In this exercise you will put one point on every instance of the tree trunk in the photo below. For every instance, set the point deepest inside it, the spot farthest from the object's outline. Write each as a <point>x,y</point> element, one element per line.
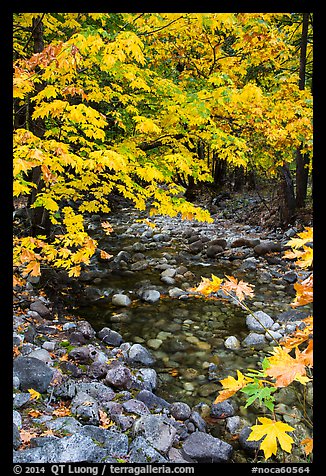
<point>40,220</point>
<point>301,159</point>
<point>286,196</point>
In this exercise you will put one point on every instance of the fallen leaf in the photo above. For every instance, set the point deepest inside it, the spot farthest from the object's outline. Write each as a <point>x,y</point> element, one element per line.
<point>231,386</point>
<point>308,444</point>
<point>240,288</point>
<point>272,431</point>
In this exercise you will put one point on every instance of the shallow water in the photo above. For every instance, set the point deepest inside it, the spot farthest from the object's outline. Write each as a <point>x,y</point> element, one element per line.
<point>185,336</point>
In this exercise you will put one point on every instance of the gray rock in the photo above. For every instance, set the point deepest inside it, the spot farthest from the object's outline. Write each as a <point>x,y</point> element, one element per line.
<point>196,247</point>
<point>100,392</point>
<point>66,424</point>
<point>40,308</point>
<point>32,373</point>
<point>110,337</point>
<point>262,322</point>
<point>169,272</point>
<point>176,292</point>
<point>249,446</point>
<point>136,406</point>
<point>86,329</point>
<point>20,399</point>
<point>122,421</point>
<point>119,377</point>
<point>141,451</point>
<point>80,354</point>
<point>150,296</point>
<point>147,378</point>
<point>69,449</point>
<point>180,410</point>
<point>152,401</point>
<point>232,343</point>
<point>198,421</point>
<point>121,300</point>
<point>113,440</point>
<point>273,336</point>
<point>16,439</point>
<point>17,419</point>
<point>15,382</point>
<point>85,408</point>
<point>233,424</point>
<point>168,280</point>
<point>292,315</point>
<point>249,264</point>
<point>255,340</point>
<point>140,355</point>
<point>204,448</point>
<point>49,346</point>
<point>222,409</point>
<point>290,277</point>
<point>175,456</point>
<point>218,241</point>
<point>214,250</point>
<point>267,247</point>
<point>157,430</point>
<point>42,355</point>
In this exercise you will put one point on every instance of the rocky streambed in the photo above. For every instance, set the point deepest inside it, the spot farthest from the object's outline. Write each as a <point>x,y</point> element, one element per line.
<point>129,367</point>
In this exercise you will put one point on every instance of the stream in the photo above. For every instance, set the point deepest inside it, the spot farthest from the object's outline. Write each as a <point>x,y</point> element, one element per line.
<point>186,335</point>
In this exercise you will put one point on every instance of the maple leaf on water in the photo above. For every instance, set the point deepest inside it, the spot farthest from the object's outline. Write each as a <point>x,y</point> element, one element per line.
<point>208,286</point>
<point>240,288</point>
<point>105,255</point>
<point>106,227</point>
<point>284,368</point>
<point>271,431</point>
<point>231,386</point>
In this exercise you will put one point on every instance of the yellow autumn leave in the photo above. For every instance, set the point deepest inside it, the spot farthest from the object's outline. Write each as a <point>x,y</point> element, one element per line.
<point>272,431</point>
<point>304,292</point>
<point>34,394</point>
<point>208,286</point>
<point>105,255</point>
<point>231,386</point>
<point>304,237</point>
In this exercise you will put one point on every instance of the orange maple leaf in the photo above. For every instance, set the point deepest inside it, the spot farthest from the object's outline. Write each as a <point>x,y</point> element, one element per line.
<point>284,368</point>
<point>240,288</point>
<point>308,444</point>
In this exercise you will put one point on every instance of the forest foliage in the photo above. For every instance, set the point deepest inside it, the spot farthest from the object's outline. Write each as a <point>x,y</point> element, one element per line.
<point>140,104</point>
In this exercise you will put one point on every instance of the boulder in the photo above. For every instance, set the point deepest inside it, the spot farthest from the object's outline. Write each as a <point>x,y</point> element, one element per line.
<point>40,308</point>
<point>140,355</point>
<point>69,449</point>
<point>232,343</point>
<point>180,410</point>
<point>205,448</point>
<point>259,321</point>
<point>32,373</point>
<point>121,300</point>
<point>142,451</point>
<point>250,446</point>
<point>222,410</point>
<point>255,340</point>
<point>119,377</point>
<point>150,296</point>
<point>157,430</point>
<point>110,337</point>
<point>85,408</point>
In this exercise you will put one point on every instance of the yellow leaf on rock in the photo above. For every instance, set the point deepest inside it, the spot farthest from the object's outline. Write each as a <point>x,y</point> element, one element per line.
<point>272,431</point>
